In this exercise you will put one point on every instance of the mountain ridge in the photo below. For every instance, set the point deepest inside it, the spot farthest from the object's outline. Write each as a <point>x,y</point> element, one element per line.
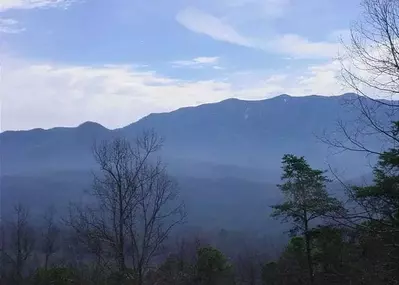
<point>225,156</point>
<point>92,123</point>
<point>249,134</point>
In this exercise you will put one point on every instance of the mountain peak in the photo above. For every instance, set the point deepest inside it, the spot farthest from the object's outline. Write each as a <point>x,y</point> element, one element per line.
<point>91,125</point>
<point>282,96</point>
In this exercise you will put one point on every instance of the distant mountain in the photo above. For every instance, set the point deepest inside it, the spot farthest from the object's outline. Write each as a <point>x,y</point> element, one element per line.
<point>55,149</point>
<point>235,133</point>
<point>247,133</point>
<point>226,156</point>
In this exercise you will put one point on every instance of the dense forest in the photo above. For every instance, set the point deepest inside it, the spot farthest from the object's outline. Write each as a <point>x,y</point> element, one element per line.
<point>129,228</point>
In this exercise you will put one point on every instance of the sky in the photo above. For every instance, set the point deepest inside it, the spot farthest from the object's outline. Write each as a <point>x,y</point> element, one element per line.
<point>64,62</point>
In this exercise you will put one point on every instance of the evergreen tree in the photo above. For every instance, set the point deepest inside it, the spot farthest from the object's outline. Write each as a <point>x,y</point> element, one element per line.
<point>305,199</point>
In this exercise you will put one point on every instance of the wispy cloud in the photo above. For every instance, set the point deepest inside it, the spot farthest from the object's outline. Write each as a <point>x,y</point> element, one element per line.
<point>207,24</point>
<point>56,94</point>
<point>223,29</point>
<point>198,62</point>
<point>32,4</point>
<point>10,26</point>
<point>300,47</point>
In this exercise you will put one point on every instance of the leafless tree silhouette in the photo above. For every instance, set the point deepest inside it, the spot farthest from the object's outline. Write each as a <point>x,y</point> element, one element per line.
<point>370,67</point>
<point>50,236</point>
<point>135,205</point>
<point>18,241</point>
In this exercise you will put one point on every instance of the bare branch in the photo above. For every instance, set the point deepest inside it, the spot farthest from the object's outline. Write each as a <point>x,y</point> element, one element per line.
<point>135,205</point>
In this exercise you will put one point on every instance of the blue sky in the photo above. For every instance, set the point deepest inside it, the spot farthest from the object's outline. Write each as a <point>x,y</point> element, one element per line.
<point>66,62</point>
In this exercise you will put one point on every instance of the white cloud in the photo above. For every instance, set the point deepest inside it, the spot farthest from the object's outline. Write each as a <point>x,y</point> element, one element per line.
<point>292,45</point>
<point>116,95</point>
<point>299,47</point>
<point>206,59</point>
<point>32,4</point>
<point>217,67</point>
<point>10,26</point>
<point>323,78</point>
<point>204,23</point>
<point>197,62</point>
<point>372,74</point>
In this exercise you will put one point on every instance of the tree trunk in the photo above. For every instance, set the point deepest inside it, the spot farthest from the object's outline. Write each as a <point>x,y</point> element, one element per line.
<point>121,257</point>
<point>308,252</point>
<point>46,262</point>
<point>140,278</point>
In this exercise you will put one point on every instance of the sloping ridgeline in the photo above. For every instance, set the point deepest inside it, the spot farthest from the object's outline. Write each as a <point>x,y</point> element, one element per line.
<point>226,155</point>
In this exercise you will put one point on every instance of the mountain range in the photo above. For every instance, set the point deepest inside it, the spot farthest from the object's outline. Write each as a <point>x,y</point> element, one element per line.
<point>248,134</point>
<point>225,155</point>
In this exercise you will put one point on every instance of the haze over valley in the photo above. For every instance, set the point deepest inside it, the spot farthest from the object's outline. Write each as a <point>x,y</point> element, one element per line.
<point>226,156</point>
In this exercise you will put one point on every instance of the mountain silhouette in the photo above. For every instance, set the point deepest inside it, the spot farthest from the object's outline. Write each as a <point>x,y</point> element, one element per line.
<point>226,156</point>
<point>248,134</point>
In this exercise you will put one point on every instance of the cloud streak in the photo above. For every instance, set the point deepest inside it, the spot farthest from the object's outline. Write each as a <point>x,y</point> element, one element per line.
<point>198,62</point>
<point>32,4</point>
<point>116,95</point>
<point>292,45</point>
<point>10,26</point>
<point>207,24</point>
<point>299,47</point>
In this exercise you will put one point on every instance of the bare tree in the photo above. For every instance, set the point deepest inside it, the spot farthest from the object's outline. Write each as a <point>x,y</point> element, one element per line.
<point>2,252</point>
<point>248,265</point>
<point>370,67</point>
<point>50,235</point>
<point>178,265</point>
<point>372,56</point>
<point>18,243</point>
<point>135,204</point>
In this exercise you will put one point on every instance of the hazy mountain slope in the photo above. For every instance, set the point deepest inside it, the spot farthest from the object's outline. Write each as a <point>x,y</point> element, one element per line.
<point>210,202</point>
<point>41,150</point>
<point>255,133</point>
<point>250,134</point>
<point>226,156</point>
